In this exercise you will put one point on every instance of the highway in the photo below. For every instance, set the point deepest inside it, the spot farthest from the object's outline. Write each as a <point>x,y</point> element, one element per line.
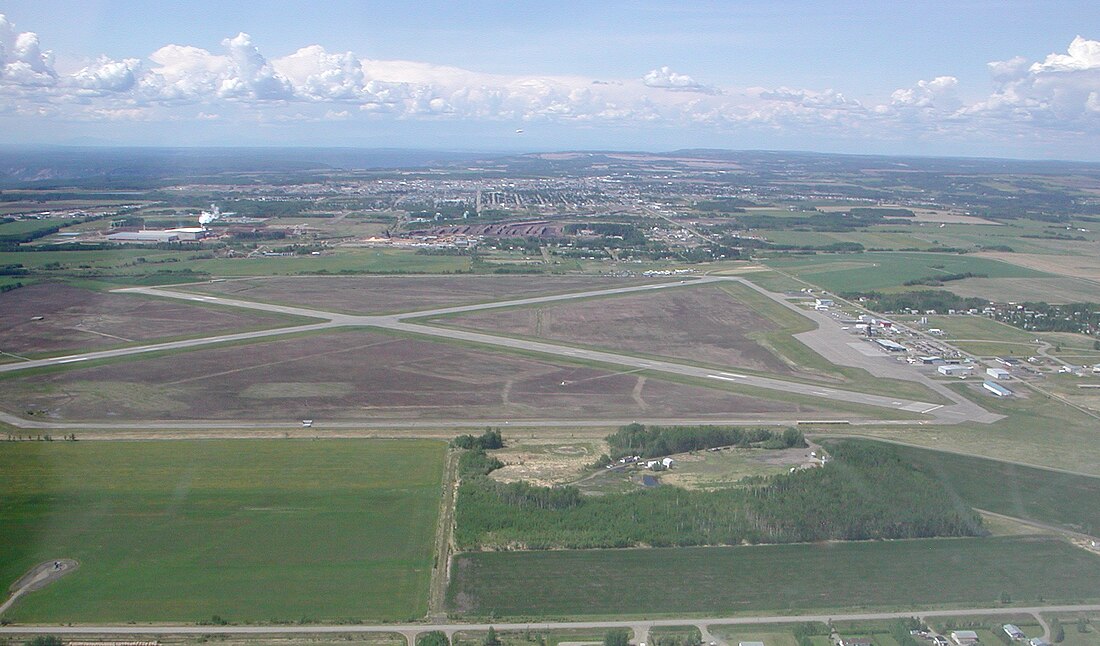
<point>824,340</point>
<point>641,627</point>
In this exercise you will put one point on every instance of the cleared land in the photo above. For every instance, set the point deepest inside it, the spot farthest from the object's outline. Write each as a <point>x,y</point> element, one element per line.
<point>250,531</point>
<point>367,375</point>
<point>78,319</point>
<point>871,271</point>
<point>789,578</point>
<point>704,324</point>
<point>383,294</point>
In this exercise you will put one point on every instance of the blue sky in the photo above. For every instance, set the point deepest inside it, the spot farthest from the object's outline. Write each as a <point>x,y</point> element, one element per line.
<point>874,77</point>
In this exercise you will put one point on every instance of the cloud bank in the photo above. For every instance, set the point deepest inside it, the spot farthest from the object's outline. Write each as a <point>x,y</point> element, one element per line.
<point>1059,94</point>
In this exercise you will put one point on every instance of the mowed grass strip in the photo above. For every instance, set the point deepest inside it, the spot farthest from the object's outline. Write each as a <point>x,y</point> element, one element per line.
<point>772,578</point>
<point>256,530</point>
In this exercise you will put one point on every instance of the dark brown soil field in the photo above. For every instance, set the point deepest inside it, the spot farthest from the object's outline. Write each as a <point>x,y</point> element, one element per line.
<point>392,294</point>
<point>703,324</point>
<point>363,375</point>
<point>81,319</point>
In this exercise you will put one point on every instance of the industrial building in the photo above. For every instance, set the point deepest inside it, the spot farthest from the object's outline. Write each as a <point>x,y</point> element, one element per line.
<point>955,370</point>
<point>998,373</point>
<point>890,346</point>
<point>183,234</point>
<point>996,388</point>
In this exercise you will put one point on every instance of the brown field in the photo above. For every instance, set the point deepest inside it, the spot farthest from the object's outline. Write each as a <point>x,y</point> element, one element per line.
<point>365,375</point>
<point>390,294</point>
<point>81,319</point>
<point>1047,290</point>
<point>703,324</point>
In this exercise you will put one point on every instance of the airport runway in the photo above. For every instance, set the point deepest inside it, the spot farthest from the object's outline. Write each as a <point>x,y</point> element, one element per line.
<point>825,341</point>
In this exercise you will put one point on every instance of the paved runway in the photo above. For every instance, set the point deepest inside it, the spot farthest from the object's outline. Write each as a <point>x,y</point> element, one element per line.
<point>828,340</point>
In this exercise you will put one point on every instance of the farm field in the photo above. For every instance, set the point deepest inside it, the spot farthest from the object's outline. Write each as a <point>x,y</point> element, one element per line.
<point>1060,289</point>
<point>843,273</point>
<point>704,325</point>
<point>247,530</point>
<point>1052,497</point>
<point>779,578</point>
<point>369,375</point>
<point>1078,260</point>
<point>389,294</point>
<point>75,318</point>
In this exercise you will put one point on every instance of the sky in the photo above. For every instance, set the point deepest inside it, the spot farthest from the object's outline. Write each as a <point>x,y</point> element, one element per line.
<point>999,78</point>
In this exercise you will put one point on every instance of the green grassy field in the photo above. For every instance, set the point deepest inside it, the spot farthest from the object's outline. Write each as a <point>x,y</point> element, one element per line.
<point>248,530</point>
<point>873,271</point>
<point>1041,495</point>
<point>774,578</point>
<point>1037,430</point>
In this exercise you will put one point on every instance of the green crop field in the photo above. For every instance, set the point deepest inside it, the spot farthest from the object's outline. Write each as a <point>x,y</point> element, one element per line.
<point>872,271</point>
<point>1041,495</point>
<point>275,530</point>
<point>773,578</point>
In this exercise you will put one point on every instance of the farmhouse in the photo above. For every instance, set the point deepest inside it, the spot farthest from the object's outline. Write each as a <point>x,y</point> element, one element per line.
<point>996,388</point>
<point>964,637</point>
<point>1038,641</point>
<point>1014,632</point>
<point>955,370</point>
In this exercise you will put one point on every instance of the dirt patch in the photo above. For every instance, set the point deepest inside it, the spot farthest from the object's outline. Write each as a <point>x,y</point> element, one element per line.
<point>53,317</point>
<point>390,378</point>
<point>546,463</point>
<point>37,578</point>
<point>703,324</point>
<point>389,294</point>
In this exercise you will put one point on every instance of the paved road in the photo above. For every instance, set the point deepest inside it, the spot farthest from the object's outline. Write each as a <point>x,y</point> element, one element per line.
<point>644,624</point>
<point>961,410</point>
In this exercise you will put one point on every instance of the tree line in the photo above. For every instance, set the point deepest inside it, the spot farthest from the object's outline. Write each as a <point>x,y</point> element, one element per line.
<point>866,492</point>
<point>657,441</point>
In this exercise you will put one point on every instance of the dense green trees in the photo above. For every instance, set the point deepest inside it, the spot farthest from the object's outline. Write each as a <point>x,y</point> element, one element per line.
<point>433,638</point>
<point>866,492</point>
<point>617,637</point>
<point>487,441</point>
<point>656,441</point>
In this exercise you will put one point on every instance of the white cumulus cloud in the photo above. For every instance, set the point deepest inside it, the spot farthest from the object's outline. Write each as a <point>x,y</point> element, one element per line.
<point>664,77</point>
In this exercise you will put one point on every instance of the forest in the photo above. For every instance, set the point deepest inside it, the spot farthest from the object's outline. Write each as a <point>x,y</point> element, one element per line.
<point>866,492</point>
<point>655,441</point>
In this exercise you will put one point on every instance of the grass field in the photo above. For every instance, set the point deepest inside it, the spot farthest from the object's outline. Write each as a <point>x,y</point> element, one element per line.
<point>388,294</point>
<point>124,261</point>
<point>357,374</point>
<point>702,324</point>
<point>70,318</point>
<point>1036,431</point>
<point>248,530</point>
<point>777,578</point>
<point>1006,488</point>
<point>872,271</point>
